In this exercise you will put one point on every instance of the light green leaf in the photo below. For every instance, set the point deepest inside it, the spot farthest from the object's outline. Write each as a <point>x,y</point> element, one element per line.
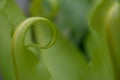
<point>101,63</point>
<point>7,23</point>
<point>27,64</point>
<point>44,8</point>
<point>112,28</point>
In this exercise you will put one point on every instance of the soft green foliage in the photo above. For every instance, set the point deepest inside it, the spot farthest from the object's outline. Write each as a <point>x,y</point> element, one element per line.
<point>44,8</point>
<point>44,54</point>
<point>25,62</point>
<point>9,18</point>
<point>103,59</point>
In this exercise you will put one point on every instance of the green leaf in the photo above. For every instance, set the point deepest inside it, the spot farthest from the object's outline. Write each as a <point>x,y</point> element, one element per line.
<point>113,27</point>
<point>9,17</point>
<point>28,65</point>
<point>102,64</point>
<point>2,4</point>
<point>44,8</point>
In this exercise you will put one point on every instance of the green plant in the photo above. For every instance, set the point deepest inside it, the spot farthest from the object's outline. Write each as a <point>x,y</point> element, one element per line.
<point>23,58</point>
<point>9,18</point>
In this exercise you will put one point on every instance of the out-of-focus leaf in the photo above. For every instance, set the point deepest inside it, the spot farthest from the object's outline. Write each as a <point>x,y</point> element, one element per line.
<point>102,65</point>
<point>9,17</point>
<point>44,8</point>
<point>97,23</point>
<point>113,31</point>
<point>2,4</point>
